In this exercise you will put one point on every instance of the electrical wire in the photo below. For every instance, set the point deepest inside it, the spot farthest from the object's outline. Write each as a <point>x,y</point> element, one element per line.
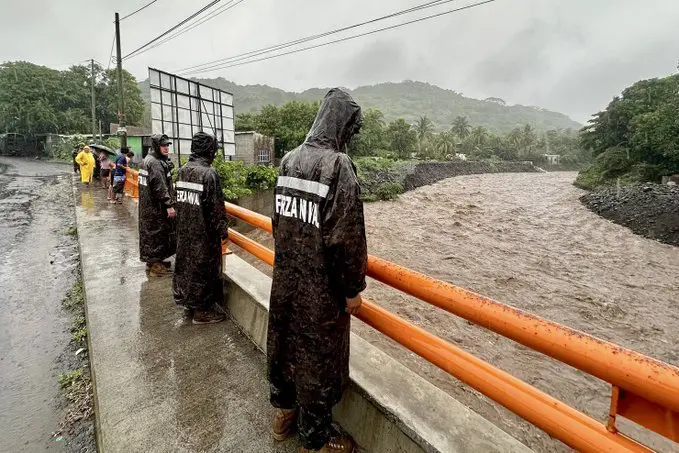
<point>113,43</point>
<point>212,15</point>
<point>264,50</point>
<point>231,65</point>
<point>170,30</point>
<point>140,9</point>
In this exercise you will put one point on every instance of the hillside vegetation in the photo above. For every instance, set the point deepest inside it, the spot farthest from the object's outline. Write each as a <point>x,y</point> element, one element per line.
<point>636,139</point>
<point>408,100</point>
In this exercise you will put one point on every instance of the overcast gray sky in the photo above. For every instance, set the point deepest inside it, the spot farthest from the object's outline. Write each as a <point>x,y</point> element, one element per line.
<point>572,56</point>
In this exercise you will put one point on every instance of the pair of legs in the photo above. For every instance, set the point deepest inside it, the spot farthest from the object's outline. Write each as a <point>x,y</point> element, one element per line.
<point>158,268</point>
<point>198,294</point>
<point>312,420</point>
<point>105,179</point>
<point>118,192</point>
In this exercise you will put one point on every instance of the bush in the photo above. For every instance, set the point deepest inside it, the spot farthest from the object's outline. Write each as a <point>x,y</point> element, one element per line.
<point>261,178</point>
<point>388,191</point>
<point>239,180</point>
<point>64,148</point>
<point>608,166</point>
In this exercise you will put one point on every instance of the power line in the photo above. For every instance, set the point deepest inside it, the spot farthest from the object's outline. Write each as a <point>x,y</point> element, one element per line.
<point>312,37</point>
<point>113,43</point>
<point>140,9</point>
<point>212,15</point>
<point>391,27</point>
<point>170,30</point>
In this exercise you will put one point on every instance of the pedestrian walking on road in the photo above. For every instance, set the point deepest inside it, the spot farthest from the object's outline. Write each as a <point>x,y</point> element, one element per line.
<point>318,277</point>
<point>157,236</point>
<point>104,170</point>
<point>120,174</point>
<point>76,167</point>
<point>202,226</point>
<point>86,161</point>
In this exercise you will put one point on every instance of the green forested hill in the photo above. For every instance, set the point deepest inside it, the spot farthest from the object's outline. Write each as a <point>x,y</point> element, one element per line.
<point>408,100</point>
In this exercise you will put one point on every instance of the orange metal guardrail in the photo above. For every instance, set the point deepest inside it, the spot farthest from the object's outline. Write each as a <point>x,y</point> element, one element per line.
<point>645,390</point>
<point>132,183</point>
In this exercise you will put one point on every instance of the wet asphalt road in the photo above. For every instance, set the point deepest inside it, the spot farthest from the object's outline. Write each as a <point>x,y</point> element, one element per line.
<point>38,266</point>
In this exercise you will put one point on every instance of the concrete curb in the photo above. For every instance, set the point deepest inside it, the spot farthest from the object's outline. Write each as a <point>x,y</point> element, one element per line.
<point>93,377</point>
<point>387,408</point>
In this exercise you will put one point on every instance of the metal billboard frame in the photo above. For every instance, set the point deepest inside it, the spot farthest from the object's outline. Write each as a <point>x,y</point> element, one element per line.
<point>181,107</point>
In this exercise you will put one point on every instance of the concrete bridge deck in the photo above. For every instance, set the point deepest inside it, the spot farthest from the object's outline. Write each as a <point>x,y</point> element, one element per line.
<point>161,383</point>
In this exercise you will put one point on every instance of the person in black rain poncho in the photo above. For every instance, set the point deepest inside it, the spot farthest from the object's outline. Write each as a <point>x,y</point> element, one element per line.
<point>157,238</point>
<point>202,225</point>
<point>319,273</point>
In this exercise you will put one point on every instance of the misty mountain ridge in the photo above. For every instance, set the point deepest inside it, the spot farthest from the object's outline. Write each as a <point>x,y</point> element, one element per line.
<point>408,100</point>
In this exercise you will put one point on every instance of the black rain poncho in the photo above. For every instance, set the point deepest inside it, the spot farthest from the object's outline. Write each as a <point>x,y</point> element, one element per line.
<point>157,239</point>
<point>321,260</point>
<point>202,224</point>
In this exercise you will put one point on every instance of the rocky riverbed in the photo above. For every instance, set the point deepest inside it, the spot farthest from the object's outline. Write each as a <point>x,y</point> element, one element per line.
<point>650,210</point>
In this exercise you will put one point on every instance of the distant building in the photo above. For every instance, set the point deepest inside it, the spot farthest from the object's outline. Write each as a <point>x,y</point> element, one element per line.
<point>254,148</point>
<point>138,140</point>
<point>552,159</point>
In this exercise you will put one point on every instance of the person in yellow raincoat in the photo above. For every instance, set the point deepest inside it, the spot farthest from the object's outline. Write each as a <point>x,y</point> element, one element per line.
<point>86,161</point>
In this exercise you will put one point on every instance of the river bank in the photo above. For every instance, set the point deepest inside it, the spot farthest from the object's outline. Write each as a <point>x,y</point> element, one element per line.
<point>383,179</point>
<point>649,210</point>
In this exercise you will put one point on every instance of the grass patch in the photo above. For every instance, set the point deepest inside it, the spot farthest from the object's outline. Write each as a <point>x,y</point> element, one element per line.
<point>73,231</point>
<point>78,323</point>
<point>80,335</point>
<point>75,298</point>
<point>68,380</point>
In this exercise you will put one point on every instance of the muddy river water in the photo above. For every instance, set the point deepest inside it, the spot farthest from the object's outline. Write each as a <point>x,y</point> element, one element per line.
<point>525,240</point>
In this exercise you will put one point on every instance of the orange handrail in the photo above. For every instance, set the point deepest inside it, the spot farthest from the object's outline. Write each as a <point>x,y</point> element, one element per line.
<point>627,369</point>
<point>132,183</point>
<point>565,423</point>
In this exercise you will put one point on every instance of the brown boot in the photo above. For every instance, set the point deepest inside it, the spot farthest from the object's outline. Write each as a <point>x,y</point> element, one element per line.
<point>344,444</point>
<point>207,317</point>
<point>284,423</point>
<point>157,270</point>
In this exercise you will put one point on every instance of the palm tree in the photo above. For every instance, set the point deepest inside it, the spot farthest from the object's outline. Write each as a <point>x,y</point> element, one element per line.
<point>445,143</point>
<point>479,136</point>
<point>423,129</point>
<point>461,127</point>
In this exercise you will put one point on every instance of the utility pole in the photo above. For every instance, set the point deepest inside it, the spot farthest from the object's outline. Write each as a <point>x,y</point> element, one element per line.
<point>94,113</point>
<point>121,100</point>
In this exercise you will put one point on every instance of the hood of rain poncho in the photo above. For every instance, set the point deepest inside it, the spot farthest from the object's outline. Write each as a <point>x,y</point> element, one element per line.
<point>338,119</point>
<point>203,146</point>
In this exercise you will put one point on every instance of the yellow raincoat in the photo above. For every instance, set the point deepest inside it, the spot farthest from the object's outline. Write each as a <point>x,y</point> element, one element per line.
<point>87,164</point>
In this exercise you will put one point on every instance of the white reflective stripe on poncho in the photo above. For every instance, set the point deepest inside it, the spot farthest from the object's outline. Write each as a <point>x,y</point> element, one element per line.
<point>189,185</point>
<point>303,185</point>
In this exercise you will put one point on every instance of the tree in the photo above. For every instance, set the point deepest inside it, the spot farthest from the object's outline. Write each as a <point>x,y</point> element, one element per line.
<point>494,100</point>
<point>35,99</point>
<point>287,124</point>
<point>529,139</point>
<point>640,125</point>
<point>245,122</point>
<point>372,136</point>
<point>444,143</point>
<point>402,138</point>
<point>461,127</point>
